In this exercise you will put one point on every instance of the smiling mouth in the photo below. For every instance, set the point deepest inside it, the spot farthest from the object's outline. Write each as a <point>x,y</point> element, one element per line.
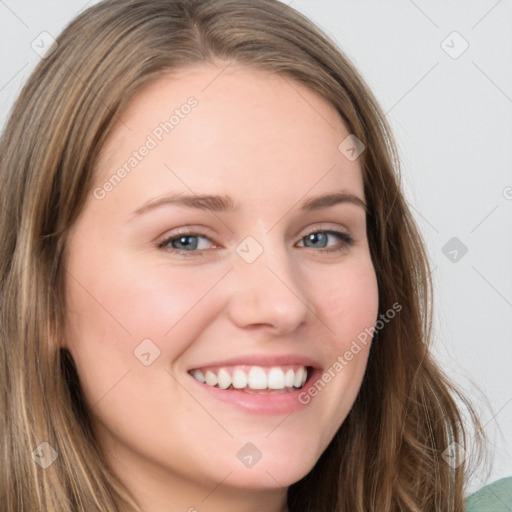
<point>254,379</point>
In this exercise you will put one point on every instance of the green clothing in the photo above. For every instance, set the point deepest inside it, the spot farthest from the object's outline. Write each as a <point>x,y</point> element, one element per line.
<point>495,497</point>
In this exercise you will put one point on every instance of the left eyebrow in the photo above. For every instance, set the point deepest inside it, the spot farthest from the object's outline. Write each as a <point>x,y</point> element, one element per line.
<point>225,203</point>
<point>325,201</point>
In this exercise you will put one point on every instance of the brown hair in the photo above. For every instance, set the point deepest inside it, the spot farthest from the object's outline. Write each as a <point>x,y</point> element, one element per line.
<point>387,455</point>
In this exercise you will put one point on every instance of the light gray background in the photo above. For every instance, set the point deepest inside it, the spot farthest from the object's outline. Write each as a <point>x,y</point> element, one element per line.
<point>452,118</point>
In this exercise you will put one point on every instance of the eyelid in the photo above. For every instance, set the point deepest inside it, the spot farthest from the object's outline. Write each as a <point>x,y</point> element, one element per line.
<point>326,228</point>
<point>183,233</point>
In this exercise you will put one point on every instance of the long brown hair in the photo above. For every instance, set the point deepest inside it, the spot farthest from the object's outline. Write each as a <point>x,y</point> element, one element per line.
<point>389,454</point>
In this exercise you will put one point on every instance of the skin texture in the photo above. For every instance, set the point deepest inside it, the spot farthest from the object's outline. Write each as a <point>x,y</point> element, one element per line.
<point>270,144</point>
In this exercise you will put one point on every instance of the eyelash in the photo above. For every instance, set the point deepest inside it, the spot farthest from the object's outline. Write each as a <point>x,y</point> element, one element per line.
<point>346,240</point>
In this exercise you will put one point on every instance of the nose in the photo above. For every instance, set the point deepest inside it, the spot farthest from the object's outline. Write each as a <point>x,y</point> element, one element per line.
<point>269,291</point>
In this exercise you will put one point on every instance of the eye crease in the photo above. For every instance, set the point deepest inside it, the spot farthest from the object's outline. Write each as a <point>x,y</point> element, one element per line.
<point>316,236</point>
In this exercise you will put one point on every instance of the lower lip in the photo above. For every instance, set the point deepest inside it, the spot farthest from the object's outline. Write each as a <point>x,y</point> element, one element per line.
<point>265,403</point>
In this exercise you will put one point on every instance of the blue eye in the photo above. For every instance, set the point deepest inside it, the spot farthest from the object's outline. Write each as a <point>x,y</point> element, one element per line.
<point>184,242</point>
<point>322,237</point>
<point>188,242</point>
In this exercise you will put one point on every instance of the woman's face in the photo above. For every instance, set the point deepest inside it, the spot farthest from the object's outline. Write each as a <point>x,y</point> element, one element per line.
<point>245,289</point>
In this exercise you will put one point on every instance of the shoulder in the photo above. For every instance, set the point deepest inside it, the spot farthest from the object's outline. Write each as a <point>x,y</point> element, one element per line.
<point>495,497</point>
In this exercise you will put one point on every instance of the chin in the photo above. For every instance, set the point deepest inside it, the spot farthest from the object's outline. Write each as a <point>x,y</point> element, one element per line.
<point>276,470</point>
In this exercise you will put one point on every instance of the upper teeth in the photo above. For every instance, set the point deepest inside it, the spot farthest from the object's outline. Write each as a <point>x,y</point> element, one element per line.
<point>253,377</point>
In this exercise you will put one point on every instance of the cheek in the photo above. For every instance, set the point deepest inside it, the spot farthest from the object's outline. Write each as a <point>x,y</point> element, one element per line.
<point>347,300</point>
<point>163,301</point>
<point>116,305</point>
<point>347,303</point>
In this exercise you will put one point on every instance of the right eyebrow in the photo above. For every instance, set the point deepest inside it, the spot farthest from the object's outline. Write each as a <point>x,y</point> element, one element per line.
<point>214,203</point>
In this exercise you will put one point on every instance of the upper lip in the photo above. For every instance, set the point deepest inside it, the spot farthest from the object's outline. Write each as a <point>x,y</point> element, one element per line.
<point>262,360</point>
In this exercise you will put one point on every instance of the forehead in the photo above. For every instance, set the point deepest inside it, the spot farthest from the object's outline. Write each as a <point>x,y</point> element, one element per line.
<point>213,127</point>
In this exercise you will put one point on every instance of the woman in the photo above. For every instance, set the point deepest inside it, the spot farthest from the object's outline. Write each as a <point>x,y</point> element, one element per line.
<point>214,295</point>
